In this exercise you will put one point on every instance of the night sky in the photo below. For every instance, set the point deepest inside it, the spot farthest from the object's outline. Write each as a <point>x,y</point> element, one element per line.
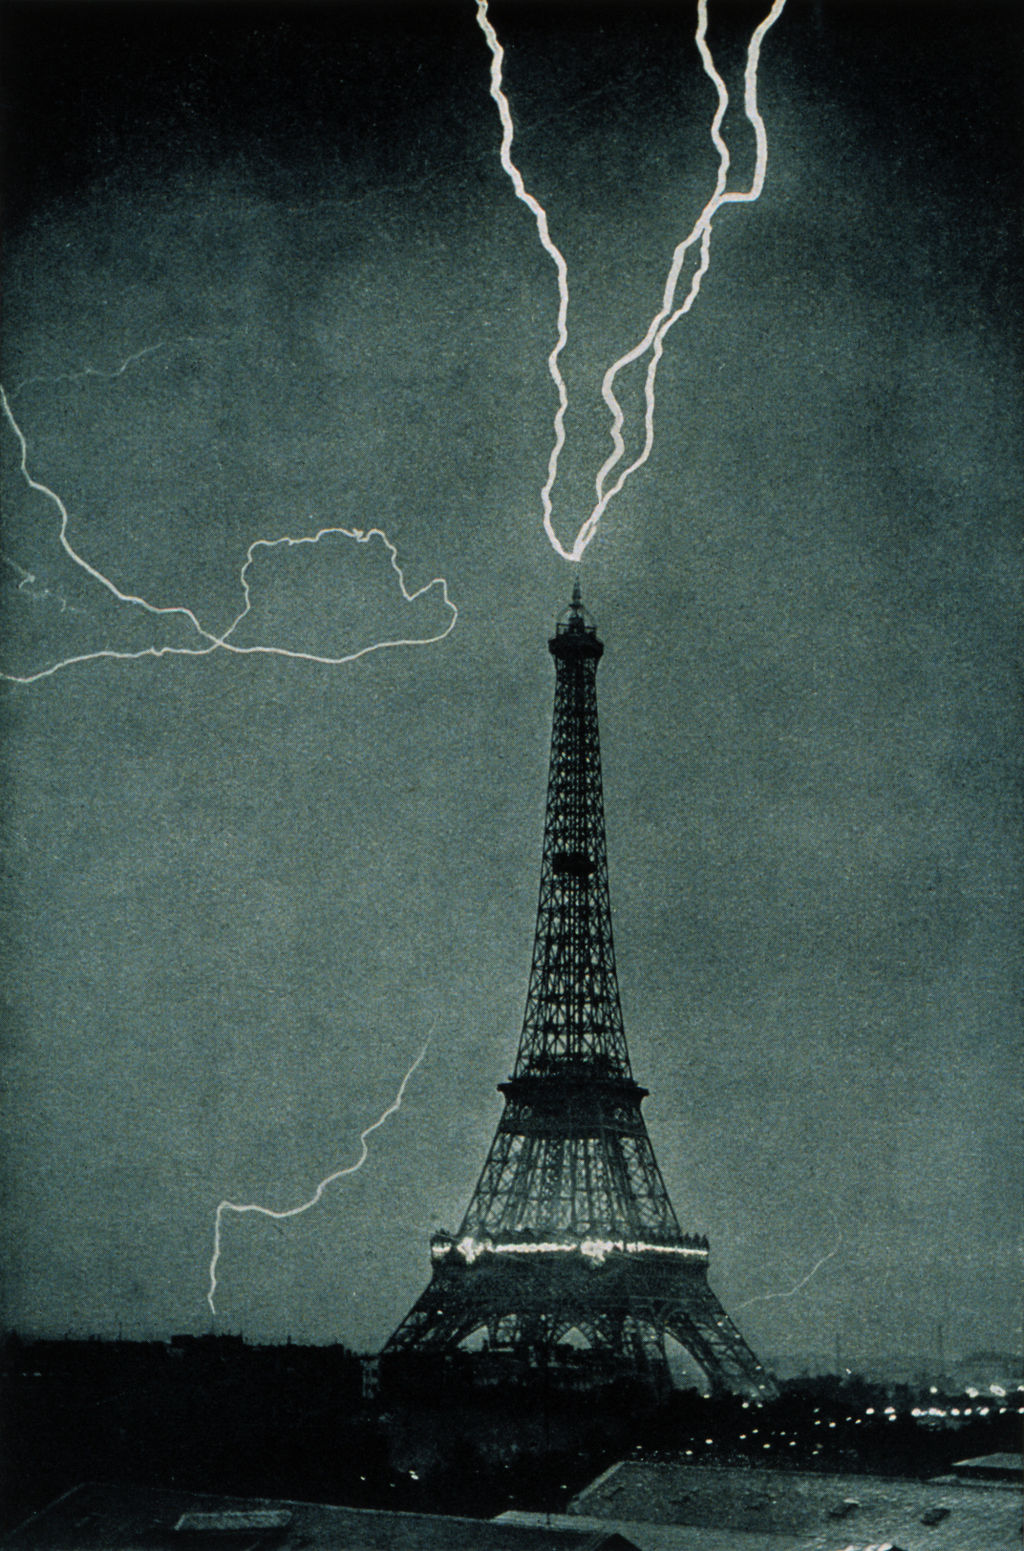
<point>242,891</point>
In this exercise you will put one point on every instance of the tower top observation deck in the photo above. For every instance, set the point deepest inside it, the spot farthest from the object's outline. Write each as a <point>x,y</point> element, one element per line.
<point>575,635</point>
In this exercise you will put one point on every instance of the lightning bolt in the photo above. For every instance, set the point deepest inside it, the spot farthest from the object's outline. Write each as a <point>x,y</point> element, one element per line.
<point>213,641</point>
<point>802,1283</point>
<point>557,258</point>
<point>296,1211</point>
<point>97,371</point>
<point>669,313</point>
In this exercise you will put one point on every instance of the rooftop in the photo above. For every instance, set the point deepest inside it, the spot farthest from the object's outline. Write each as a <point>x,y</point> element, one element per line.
<point>660,1537</point>
<point>791,1509</point>
<point>109,1518</point>
<point>1001,1467</point>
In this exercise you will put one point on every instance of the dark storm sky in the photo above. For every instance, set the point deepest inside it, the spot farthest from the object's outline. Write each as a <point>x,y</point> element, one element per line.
<point>242,891</point>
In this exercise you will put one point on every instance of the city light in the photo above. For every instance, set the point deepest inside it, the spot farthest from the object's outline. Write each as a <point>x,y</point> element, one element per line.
<point>594,1250</point>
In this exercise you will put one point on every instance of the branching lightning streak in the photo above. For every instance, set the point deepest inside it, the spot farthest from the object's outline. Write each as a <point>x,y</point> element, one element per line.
<point>97,371</point>
<point>27,585</point>
<point>669,314</point>
<point>296,1211</point>
<point>214,642</point>
<point>802,1283</point>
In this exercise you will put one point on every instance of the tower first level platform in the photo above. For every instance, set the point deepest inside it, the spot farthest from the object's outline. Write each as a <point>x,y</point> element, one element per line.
<point>538,1301</point>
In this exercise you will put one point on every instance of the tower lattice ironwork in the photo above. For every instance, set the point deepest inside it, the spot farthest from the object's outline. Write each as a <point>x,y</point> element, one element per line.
<point>570,1239</point>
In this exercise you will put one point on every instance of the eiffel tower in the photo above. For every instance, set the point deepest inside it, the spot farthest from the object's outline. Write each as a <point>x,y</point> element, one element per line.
<point>570,1244</point>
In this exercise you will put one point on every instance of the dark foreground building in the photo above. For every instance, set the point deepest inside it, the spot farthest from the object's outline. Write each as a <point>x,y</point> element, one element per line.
<point>570,1260</point>
<point>109,1518</point>
<point>632,1508</point>
<point>792,1510</point>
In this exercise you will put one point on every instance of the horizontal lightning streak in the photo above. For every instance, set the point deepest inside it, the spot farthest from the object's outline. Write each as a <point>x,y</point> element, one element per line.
<point>215,642</point>
<point>98,371</point>
<point>669,314</point>
<point>361,536</point>
<point>296,1211</point>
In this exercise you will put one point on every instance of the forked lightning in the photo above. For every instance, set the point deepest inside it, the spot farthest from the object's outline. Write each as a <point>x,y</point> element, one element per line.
<point>668,314</point>
<point>213,641</point>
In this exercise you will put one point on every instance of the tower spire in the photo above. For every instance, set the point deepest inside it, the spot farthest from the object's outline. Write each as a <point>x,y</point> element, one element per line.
<point>570,1187</point>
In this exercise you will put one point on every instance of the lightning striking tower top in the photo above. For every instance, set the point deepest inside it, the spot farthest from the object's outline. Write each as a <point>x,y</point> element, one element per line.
<point>652,345</point>
<point>570,1234</point>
